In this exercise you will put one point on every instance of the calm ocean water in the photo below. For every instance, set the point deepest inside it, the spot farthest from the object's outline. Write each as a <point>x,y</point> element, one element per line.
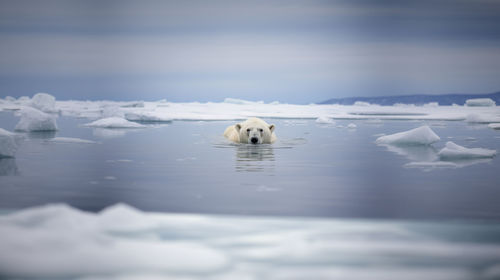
<point>313,170</point>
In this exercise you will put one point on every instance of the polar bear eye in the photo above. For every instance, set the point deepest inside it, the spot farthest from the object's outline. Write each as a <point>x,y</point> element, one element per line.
<point>248,129</point>
<point>261,130</point>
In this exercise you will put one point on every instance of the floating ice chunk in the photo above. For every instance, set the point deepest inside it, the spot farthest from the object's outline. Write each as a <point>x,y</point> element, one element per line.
<point>494,125</point>
<point>325,120</point>
<point>114,122</point>
<point>431,164</point>
<point>9,142</point>
<point>9,98</point>
<point>44,102</point>
<point>482,118</point>
<point>352,126</point>
<point>35,120</point>
<point>453,151</point>
<point>480,102</point>
<point>147,116</point>
<point>419,136</point>
<point>431,104</point>
<point>71,140</point>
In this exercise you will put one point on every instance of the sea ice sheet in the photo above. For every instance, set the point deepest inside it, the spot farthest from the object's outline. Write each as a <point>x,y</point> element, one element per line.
<point>9,142</point>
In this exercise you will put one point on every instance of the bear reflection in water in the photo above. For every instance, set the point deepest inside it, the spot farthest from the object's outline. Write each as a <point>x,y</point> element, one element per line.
<point>254,158</point>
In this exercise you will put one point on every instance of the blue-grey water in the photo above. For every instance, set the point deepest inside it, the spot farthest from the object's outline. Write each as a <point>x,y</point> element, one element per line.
<point>312,170</point>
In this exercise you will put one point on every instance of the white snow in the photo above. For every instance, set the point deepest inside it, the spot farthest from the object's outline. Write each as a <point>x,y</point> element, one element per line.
<point>482,102</point>
<point>419,136</point>
<point>9,143</point>
<point>71,140</point>
<point>325,120</point>
<point>59,242</point>
<point>35,120</point>
<point>453,151</point>
<point>241,101</point>
<point>44,102</point>
<point>361,103</point>
<point>114,122</point>
<point>147,116</point>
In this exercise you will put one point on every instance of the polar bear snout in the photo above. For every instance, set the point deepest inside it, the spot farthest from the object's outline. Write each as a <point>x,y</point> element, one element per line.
<point>254,140</point>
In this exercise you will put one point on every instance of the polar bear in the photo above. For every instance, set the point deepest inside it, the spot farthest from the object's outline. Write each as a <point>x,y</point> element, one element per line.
<point>251,131</point>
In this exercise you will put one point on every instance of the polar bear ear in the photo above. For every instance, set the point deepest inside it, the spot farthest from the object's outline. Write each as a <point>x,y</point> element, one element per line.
<point>238,127</point>
<point>271,127</point>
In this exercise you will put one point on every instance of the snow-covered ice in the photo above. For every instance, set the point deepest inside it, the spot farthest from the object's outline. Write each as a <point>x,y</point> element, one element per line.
<point>352,126</point>
<point>114,122</point>
<point>44,102</point>
<point>120,242</point>
<point>147,116</point>
<point>9,143</point>
<point>453,151</point>
<point>35,120</point>
<point>482,102</point>
<point>419,136</point>
<point>483,118</point>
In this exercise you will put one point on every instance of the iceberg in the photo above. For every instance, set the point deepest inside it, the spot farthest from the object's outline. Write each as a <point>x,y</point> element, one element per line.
<point>419,136</point>
<point>114,122</point>
<point>147,116</point>
<point>9,142</point>
<point>44,102</point>
<point>480,102</point>
<point>35,120</point>
<point>453,151</point>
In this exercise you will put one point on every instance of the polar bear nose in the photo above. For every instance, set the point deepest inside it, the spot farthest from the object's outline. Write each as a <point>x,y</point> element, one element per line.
<point>254,140</point>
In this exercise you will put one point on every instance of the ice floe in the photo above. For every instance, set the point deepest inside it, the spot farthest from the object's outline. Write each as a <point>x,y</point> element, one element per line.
<point>325,120</point>
<point>494,125</point>
<point>453,151</point>
<point>35,120</point>
<point>419,136</point>
<point>9,143</point>
<point>483,118</point>
<point>120,242</point>
<point>114,122</point>
<point>482,102</point>
<point>147,116</point>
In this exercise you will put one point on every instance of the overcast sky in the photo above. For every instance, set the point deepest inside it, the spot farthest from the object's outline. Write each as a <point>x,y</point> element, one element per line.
<point>290,51</point>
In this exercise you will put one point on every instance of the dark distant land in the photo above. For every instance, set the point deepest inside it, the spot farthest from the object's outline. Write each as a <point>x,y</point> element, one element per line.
<point>443,99</point>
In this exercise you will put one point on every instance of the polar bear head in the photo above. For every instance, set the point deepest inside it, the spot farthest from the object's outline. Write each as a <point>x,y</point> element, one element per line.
<point>255,131</point>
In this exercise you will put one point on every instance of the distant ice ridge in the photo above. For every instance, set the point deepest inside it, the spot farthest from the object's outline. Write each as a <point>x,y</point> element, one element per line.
<point>419,136</point>
<point>71,140</point>
<point>482,102</point>
<point>120,242</point>
<point>35,120</point>
<point>114,122</point>
<point>241,101</point>
<point>453,151</point>
<point>9,142</point>
<point>325,120</point>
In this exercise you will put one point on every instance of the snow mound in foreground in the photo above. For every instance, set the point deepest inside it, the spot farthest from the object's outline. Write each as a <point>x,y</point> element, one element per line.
<point>114,122</point>
<point>419,136</point>
<point>480,102</point>
<point>325,120</point>
<point>9,142</point>
<point>35,120</point>
<point>147,117</point>
<point>453,151</point>
<point>44,102</point>
<point>60,242</point>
